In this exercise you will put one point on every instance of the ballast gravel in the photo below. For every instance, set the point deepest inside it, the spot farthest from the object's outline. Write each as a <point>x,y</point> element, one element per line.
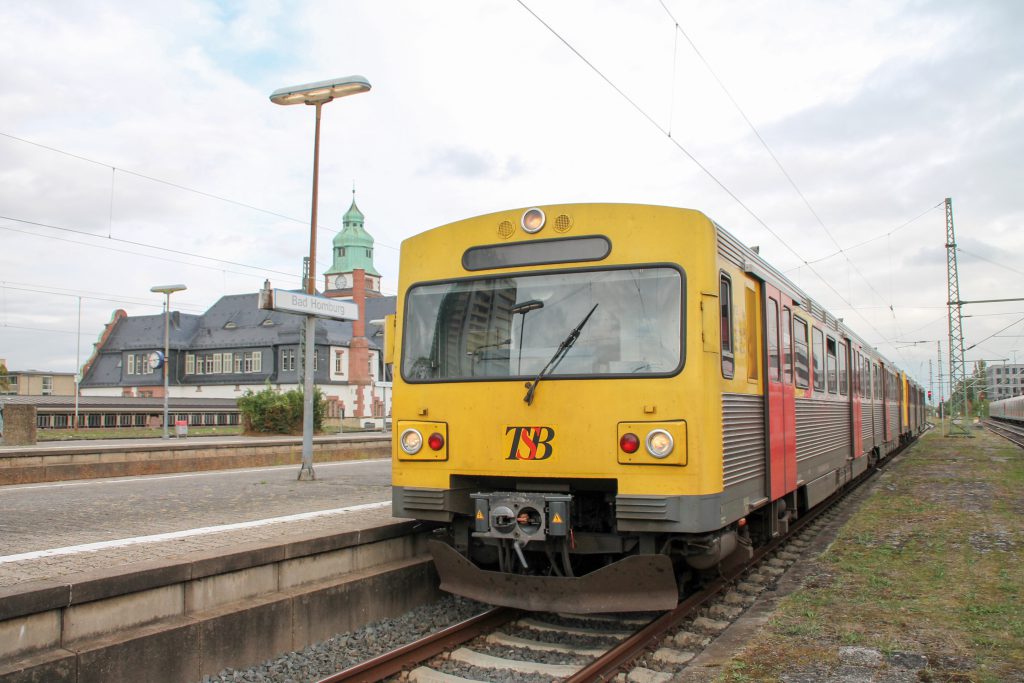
<point>347,649</point>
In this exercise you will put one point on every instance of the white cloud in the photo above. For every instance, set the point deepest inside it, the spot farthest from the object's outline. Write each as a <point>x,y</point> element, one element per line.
<point>878,110</point>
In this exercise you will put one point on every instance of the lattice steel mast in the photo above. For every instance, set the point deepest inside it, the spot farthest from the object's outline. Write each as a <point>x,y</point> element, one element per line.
<point>957,372</point>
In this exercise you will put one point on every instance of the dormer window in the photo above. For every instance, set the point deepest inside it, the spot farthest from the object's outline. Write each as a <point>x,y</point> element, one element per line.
<point>267,323</point>
<point>230,325</point>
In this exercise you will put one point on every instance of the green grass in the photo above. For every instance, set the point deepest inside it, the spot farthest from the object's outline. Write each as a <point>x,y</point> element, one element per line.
<point>129,433</point>
<point>932,563</point>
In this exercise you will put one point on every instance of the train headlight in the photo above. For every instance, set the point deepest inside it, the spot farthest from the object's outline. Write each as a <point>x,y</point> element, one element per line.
<point>629,443</point>
<point>659,443</point>
<point>533,220</point>
<point>411,441</point>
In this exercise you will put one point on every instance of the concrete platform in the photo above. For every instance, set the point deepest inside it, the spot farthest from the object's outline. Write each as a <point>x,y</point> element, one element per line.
<point>59,461</point>
<point>173,577</point>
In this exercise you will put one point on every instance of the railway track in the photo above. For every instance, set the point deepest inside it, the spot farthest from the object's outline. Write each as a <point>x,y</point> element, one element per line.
<point>1007,431</point>
<point>506,644</point>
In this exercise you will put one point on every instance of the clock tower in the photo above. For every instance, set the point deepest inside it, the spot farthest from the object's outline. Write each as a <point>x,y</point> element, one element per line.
<point>353,257</point>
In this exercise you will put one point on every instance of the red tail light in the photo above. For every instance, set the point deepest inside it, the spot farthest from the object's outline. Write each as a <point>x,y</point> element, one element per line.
<point>435,441</point>
<point>629,443</point>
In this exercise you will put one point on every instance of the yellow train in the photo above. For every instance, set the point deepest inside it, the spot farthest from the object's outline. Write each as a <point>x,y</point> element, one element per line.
<point>601,400</point>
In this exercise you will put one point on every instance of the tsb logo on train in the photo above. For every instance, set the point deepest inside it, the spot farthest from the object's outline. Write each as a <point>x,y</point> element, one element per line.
<point>529,443</point>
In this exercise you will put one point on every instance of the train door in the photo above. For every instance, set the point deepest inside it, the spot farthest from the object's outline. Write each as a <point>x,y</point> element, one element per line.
<point>855,398</point>
<point>781,399</point>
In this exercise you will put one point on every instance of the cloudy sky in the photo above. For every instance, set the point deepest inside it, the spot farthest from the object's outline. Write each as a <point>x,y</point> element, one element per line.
<point>138,145</point>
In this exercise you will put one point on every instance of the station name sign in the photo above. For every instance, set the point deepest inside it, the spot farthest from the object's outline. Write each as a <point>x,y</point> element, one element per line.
<point>308,304</point>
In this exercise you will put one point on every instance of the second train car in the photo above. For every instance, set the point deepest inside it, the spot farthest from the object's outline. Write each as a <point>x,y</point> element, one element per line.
<point>602,400</point>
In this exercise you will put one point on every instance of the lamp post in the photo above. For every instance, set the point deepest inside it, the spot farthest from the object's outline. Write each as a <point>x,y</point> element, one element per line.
<point>315,94</point>
<point>166,290</point>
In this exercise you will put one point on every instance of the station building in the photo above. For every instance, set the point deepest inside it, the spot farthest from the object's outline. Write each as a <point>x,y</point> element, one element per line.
<point>1004,381</point>
<point>35,382</point>
<point>235,346</point>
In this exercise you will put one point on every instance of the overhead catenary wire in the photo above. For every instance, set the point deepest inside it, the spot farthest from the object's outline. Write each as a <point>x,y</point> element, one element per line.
<point>137,253</point>
<point>168,183</point>
<point>41,289</point>
<point>704,169</point>
<point>781,167</point>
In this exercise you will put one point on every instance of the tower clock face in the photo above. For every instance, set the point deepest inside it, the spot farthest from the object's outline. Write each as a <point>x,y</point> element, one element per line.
<point>341,282</point>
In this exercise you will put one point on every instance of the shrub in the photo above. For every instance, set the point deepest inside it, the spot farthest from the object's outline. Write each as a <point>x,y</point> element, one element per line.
<point>279,412</point>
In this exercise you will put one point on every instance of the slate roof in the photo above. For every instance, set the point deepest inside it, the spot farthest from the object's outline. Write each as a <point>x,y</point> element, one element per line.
<point>234,322</point>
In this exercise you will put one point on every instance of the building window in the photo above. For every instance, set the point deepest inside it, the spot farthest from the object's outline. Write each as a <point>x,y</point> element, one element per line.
<point>226,362</point>
<point>208,359</point>
<point>190,363</point>
<point>47,385</point>
<point>725,316</point>
<point>216,363</point>
<point>238,362</point>
<point>339,362</point>
<point>131,363</point>
<point>247,362</point>
<point>287,360</point>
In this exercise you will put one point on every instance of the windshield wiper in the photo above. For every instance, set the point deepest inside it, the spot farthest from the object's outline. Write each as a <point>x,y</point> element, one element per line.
<point>563,349</point>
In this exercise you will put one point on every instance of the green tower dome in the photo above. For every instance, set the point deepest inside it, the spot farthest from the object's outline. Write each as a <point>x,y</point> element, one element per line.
<point>353,246</point>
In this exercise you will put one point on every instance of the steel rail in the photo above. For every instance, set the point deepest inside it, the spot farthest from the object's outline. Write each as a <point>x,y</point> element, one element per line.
<point>606,667</point>
<point>1010,432</point>
<point>394,662</point>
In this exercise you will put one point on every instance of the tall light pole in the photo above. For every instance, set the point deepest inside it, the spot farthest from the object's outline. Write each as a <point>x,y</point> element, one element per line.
<point>315,94</point>
<point>166,290</point>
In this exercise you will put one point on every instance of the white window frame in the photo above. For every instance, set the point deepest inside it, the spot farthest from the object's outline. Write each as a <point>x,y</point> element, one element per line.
<point>131,363</point>
<point>216,364</point>
<point>190,363</point>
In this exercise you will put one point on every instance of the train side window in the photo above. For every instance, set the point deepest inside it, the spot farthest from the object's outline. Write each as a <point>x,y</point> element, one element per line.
<point>830,362</point>
<point>725,302</point>
<point>753,352</point>
<point>818,359</point>
<point>773,339</point>
<point>843,379</point>
<point>800,342</point>
<point>787,345</point>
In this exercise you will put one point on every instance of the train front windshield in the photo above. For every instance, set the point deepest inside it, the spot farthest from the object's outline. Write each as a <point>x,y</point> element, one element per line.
<point>511,327</point>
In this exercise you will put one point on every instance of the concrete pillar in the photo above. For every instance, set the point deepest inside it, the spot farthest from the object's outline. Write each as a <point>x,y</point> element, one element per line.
<point>19,424</point>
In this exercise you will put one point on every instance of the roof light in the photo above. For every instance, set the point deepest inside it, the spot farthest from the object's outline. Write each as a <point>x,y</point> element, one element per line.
<point>533,220</point>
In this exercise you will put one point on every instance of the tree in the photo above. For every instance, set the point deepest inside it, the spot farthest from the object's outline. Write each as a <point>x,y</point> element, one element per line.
<point>279,412</point>
<point>5,378</point>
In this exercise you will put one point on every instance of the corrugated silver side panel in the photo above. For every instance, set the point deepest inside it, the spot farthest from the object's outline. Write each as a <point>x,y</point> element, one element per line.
<point>729,247</point>
<point>894,418</point>
<point>865,422</point>
<point>742,438</point>
<point>821,427</point>
<point>876,411</point>
<point>817,311</point>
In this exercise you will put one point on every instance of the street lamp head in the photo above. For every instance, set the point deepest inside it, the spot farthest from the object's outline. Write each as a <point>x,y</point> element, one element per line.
<point>320,92</point>
<point>167,289</point>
